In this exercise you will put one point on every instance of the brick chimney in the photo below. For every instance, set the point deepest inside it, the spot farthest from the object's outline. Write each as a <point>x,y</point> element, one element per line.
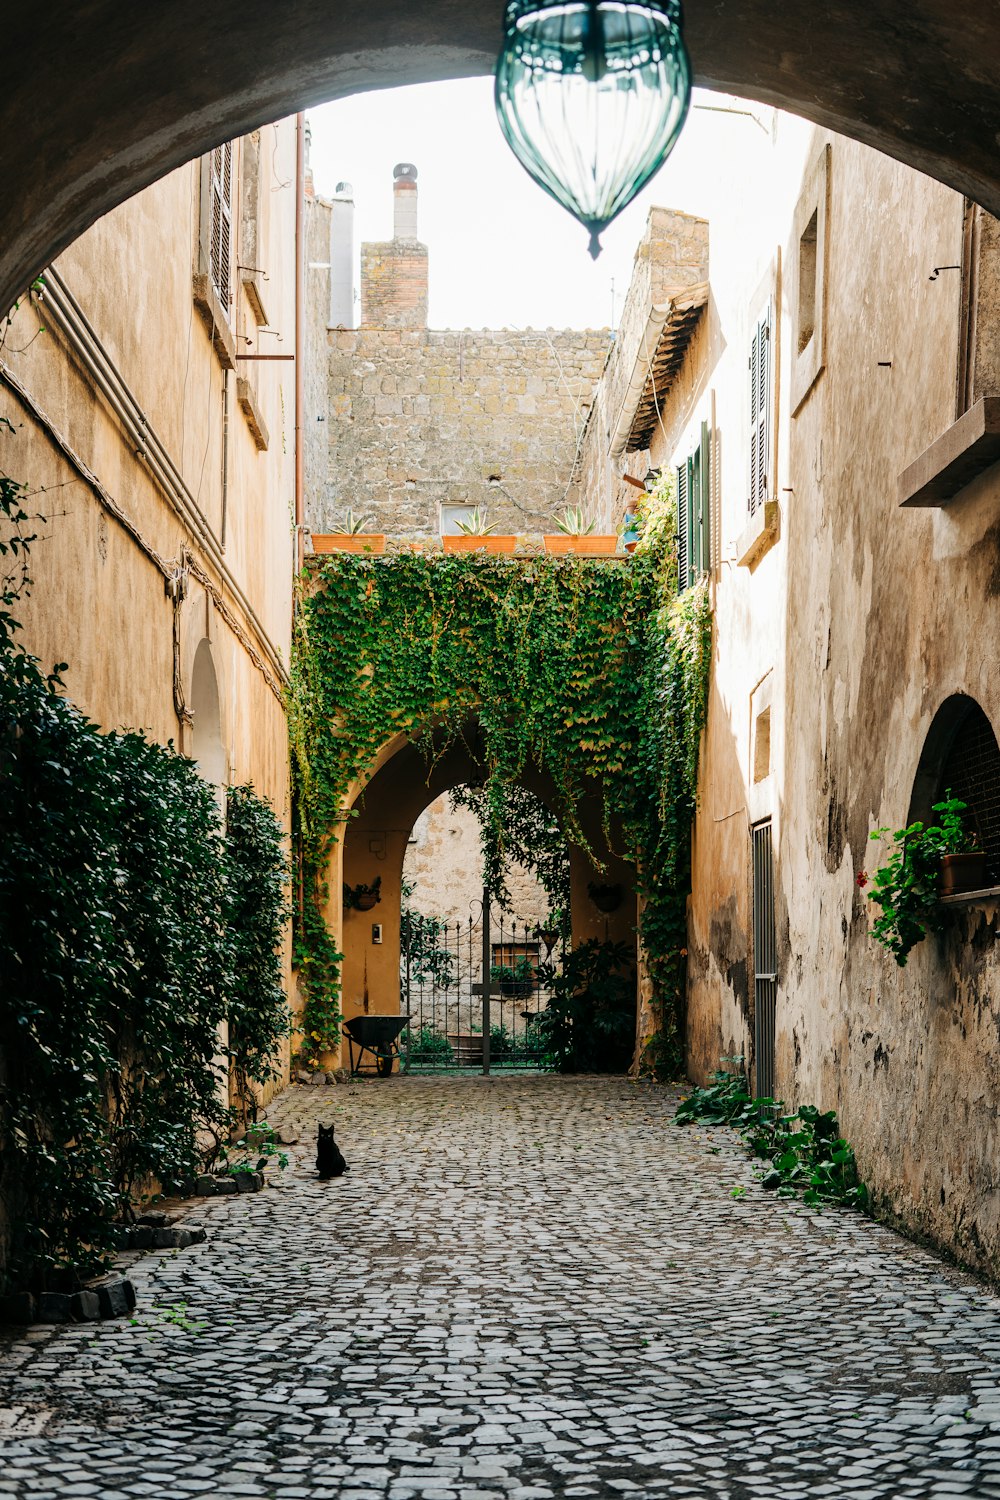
<point>394,273</point>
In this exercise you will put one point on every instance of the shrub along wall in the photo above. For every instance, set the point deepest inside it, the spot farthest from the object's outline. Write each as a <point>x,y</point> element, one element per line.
<point>593,671</point>
<point>131,928</point>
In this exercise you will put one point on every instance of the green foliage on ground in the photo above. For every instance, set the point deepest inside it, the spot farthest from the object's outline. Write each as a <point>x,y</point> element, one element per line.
<point>804,1152</point>
<point>591,672</point>
<point>118,956</point>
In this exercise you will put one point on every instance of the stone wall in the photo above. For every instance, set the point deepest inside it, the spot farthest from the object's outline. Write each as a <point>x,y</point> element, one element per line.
<point>671,258</point>
<point>444,862</point>
<point>415,419</point>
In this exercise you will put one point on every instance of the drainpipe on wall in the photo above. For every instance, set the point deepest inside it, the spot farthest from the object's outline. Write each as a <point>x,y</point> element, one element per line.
<point>300,262</point>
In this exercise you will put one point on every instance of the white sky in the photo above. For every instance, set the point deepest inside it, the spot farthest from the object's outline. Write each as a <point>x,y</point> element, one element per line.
<point>502,252</point>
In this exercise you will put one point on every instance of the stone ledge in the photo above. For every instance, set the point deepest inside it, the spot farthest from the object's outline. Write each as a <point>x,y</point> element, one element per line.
<point>967,448</point>
<point>214,317</point>
<point>251,410</point>
<point>759,536</point>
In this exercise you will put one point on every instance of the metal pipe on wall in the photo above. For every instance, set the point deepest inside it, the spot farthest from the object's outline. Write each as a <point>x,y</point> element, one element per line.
<point>300,262</point>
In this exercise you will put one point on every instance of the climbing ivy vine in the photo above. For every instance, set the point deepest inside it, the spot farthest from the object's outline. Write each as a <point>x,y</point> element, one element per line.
<point>131,929</point>
<point>590,671</point>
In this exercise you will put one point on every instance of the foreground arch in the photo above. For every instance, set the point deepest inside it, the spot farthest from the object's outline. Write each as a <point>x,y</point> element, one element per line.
<point>107,96</point>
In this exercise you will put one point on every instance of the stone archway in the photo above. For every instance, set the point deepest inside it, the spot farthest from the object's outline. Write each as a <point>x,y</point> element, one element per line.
<point>374,848</point>
<point>106,97</point>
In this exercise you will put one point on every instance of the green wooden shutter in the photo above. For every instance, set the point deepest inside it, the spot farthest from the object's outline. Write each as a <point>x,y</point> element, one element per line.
<point>705,501</point>
<point>683,527</point>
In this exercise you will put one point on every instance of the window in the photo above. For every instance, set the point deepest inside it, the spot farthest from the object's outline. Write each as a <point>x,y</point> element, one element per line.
<point>510,954</point>
<point>762,745</point>
<point>961,755</point>
<point>220,222</point>
<point>808,268</point>
<point>693,502</point>
<point>807,282</point>
<point>761,375</point>
<point>451,515</point>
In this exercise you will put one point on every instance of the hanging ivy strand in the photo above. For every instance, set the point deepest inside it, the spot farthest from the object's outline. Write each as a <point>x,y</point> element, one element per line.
<point>591,672</point>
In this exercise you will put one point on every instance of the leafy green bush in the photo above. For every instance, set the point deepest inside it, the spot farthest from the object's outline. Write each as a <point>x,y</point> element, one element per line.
<point>257,912</point>
<point>428,1045</point>
<point>906,887</point>
<point>588,1025</point>
<point>119,957</point>
<point>806,1153</point>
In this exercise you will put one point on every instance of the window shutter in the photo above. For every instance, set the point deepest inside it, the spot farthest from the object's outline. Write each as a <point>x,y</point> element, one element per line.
<point>704,500</point>
<point>683,528</point>
<point>760,410</point>
<point>221,221</point>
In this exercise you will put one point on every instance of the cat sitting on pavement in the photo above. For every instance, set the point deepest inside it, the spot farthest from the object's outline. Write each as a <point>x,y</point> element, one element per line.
<point>329,1157</point>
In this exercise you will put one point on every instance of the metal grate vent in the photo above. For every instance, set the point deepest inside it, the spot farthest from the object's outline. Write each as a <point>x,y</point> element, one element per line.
<point>765,990</point>
<point>971,771</point>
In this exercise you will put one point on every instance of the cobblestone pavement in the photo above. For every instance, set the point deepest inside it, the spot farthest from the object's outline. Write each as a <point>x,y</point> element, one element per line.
<point>527,1287</point>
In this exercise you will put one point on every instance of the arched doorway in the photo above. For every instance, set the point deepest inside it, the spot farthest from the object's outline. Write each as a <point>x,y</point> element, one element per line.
<point>207,746</point>
<point>104,102</point>
<point>374,852</point>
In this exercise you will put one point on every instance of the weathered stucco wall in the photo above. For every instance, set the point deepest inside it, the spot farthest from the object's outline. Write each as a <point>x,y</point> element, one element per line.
<point>124,375</point>
<point>444,861</point>
<point>849,621</point>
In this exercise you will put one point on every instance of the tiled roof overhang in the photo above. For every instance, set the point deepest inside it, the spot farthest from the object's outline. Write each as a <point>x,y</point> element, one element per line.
<point>659,357</point>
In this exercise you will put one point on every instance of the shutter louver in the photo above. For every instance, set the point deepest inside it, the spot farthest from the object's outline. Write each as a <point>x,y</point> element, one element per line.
<point>683,528</point>
<point>220,221</point>
<point>705,501</point>
<point>760,410</point>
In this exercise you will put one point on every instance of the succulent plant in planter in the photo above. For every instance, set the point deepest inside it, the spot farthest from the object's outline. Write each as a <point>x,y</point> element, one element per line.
<point>574,522</point>
<point>516,980</point>
<point>922,865</point>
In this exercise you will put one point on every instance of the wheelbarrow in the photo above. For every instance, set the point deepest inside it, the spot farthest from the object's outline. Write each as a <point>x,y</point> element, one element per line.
<point>376,1036</point>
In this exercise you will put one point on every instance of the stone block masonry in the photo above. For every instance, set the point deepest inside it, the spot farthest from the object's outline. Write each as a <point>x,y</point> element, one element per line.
<point>416,419</point>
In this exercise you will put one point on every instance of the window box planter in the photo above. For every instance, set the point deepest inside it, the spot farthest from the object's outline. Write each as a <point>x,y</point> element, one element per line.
<point>516,989</point>
<point>493,544</point>
<point>344,541</point>
<point>963,872</point>
<point>581,546</point>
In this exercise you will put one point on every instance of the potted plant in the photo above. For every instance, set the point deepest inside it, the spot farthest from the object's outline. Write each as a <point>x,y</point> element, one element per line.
<point>629,531</point>
<point>476,535</point>
<point>926,862</point>
<point>576,535</point>
<point>607,898</point>
<point>516,980</point>
<point>363,897</point>
<point>353,537</point>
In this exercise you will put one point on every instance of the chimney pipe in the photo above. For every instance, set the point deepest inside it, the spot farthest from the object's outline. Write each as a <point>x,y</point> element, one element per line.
<point>404,197</point>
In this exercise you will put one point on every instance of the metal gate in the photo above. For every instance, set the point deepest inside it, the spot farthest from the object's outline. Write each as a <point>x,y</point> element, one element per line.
<point>765,989</point>
<point>455,1020</point>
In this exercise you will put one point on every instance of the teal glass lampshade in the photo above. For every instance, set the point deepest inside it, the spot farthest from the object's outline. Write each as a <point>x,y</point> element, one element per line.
<point>591,96</point>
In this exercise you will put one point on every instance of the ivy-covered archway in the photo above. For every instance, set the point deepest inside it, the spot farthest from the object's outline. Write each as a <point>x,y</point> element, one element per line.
<point>374,846</point>
<point>589,672</point>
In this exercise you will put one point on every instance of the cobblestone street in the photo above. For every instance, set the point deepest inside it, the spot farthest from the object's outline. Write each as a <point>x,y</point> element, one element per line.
<point>526,1287</point>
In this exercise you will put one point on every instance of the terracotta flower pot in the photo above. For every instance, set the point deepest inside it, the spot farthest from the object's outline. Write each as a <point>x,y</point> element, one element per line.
<point>581,546</point>
<point>492,544</point>
<point>963,872</point>
<point>345,541</point>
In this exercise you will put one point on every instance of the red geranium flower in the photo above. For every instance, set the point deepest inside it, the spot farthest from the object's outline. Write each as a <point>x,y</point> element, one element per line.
<point>862,879</point>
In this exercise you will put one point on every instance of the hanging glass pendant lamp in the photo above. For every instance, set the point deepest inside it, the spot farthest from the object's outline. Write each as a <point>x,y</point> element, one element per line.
<point>591,96</point>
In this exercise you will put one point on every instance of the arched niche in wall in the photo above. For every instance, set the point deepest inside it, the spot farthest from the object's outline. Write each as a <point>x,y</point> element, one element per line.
<point>961,755</point>
<point>207,747</point>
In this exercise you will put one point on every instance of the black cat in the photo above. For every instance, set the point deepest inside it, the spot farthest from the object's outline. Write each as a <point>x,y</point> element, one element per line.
<point>329,1157</point>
